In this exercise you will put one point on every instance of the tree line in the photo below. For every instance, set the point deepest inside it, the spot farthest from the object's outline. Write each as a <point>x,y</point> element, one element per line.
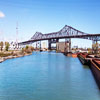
<point>6,44</point>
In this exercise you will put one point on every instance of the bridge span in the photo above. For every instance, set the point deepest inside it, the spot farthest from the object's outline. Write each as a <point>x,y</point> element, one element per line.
<point>67,32</point>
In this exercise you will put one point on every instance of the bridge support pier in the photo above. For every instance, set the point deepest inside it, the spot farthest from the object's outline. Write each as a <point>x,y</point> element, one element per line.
<point>38,45</point>
<point>56,43</point>
<point>50,42</point>
<point>67,45</point>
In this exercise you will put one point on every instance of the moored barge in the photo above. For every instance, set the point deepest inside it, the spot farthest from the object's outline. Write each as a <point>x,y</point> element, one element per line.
<point>74,55</point>
<point>95,68</point>
<point>94,64</point>
<point>82,58</point>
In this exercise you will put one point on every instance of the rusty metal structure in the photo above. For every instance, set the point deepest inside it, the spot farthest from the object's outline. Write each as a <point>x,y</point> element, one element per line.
<point>67,32</point>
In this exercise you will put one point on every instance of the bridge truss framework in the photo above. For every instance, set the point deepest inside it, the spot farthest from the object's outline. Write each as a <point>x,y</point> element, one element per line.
<point>66,32</point>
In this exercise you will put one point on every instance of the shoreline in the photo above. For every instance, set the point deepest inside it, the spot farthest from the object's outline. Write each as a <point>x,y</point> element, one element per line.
<point>2,59</point>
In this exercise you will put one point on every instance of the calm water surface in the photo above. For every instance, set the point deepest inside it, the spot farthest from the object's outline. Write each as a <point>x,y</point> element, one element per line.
<point>46,76</point>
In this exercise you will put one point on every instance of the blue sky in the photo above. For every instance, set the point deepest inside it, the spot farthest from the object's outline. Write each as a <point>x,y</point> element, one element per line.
<point>48,16</point>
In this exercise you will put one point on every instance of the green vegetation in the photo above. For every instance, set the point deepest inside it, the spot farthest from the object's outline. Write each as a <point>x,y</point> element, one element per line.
<point>27,49</point>
<point>89,50</point>
<point>2,54</point>
<point>1,45</point>
<point>7,46</point>
<point>8,54</point>
<point>95,48</point>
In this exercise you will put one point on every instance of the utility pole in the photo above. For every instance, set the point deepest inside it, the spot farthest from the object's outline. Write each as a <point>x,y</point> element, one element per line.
<point>17,35</point>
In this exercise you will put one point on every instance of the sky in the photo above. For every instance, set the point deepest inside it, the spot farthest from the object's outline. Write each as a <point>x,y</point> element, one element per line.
<point>48,16</point>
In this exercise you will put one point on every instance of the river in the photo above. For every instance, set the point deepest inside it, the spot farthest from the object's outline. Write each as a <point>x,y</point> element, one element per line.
<point>46,76</point>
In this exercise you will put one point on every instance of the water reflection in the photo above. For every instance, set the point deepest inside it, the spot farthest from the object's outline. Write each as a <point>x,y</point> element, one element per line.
<point>46,76</point>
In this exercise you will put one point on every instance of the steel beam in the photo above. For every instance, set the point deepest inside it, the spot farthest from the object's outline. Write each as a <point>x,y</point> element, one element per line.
<point>67,45</point>
<point>65,32</point>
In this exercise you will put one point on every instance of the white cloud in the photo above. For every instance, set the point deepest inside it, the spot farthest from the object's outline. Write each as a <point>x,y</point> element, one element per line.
<point>2,14</point>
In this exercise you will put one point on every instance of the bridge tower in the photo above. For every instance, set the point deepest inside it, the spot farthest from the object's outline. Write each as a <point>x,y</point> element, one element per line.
<point>50,41</point>
<point>67,45</point>
<point>38,45</point>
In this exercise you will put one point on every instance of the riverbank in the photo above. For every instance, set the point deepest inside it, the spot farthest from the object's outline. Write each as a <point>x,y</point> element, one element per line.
<point>12,54</point>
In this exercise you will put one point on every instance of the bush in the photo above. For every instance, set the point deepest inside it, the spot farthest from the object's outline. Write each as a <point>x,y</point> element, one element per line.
<point>7,46</point>
<point>23,50</point>
<point>4,54</point>
<point>27,49</point>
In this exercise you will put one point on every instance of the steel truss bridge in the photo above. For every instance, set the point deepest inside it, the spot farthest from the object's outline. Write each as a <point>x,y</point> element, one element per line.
<point>66,32</point>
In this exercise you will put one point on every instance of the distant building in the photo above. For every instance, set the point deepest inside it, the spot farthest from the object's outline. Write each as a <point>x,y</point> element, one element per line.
<point>62,47</point>
<point>44,45</point>
<point>75,47</point>
<point>14,46</point>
